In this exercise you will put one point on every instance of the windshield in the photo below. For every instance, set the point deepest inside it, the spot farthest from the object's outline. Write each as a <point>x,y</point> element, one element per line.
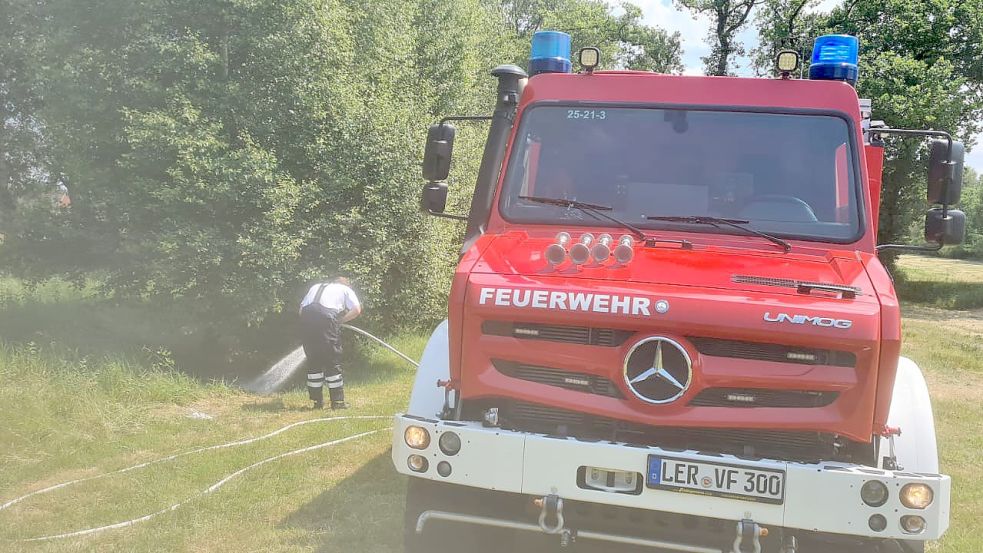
<point>790,175</point>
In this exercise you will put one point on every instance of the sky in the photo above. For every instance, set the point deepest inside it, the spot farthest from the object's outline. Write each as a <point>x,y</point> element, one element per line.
<point>662,13</point>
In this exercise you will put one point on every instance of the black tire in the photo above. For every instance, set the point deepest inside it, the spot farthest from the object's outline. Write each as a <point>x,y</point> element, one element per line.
<point>451,537</point>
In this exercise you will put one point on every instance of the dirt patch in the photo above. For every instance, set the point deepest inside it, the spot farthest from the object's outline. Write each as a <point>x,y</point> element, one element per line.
<point>957,385</point>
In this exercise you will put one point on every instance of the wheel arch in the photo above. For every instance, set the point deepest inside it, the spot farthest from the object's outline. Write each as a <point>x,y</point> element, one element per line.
<point>426,399</point>
<point>911,410</point>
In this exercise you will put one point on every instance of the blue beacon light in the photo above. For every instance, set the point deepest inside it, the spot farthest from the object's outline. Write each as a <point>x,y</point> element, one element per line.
<point>550,53</point>
<point>835,58</point>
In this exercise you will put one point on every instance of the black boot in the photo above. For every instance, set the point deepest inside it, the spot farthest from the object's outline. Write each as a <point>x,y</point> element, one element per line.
<point>337,393</point>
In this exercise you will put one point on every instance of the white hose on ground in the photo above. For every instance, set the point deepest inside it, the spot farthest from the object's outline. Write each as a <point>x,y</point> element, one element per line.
<point>236,443</point>
<point>383,344</point>
<point>206,491</point>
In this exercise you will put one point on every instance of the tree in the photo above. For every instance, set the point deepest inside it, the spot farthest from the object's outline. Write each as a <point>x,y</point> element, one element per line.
<point>920,64</point>
<point>221,153</point>
<point>728,17</point>
<point>781,24</point>
<point>24,171</point>
<point>624,40</point>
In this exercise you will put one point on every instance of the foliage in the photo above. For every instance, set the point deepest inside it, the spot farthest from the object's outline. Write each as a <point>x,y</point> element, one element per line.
<point>921,65</point>
<point>972,205</point>
<point>727,18</point>
<point>222,153</point>
<point>624,40</point>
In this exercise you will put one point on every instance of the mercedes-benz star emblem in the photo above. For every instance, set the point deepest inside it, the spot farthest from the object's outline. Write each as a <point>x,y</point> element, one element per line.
<point>658,370</point>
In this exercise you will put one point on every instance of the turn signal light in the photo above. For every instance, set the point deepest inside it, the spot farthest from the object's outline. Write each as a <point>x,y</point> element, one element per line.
<point>917,496</point>
<point>417,437</point>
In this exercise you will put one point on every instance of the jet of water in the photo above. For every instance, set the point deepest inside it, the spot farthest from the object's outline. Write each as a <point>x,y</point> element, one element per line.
<point>278,374</point>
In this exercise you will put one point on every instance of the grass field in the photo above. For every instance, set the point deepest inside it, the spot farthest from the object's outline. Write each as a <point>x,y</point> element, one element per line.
<point>84,389</point>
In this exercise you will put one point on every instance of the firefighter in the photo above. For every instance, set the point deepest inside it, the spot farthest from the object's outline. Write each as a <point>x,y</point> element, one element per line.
<point>322,312</point>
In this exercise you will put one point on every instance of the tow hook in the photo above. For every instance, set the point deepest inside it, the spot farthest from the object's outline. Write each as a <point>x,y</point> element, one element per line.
<point>551,510</point>
<point>748,534</point>
<point>551,519</point>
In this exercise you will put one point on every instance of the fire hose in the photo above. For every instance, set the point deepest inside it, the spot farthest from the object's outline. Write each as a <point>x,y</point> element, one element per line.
<point>217,485</point>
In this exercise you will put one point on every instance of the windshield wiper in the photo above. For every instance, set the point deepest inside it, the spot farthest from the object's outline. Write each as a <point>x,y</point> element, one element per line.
<point>594,210</point>
<point>718,222</point>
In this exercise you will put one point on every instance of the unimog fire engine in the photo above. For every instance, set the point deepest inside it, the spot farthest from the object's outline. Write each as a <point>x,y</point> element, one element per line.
<point>669,329</point>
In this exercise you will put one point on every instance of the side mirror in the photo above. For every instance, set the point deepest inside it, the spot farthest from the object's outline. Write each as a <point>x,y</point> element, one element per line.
<point>949,230</point>
<point>434,199</point>
<point>437,155</point>
<point>943,171</point>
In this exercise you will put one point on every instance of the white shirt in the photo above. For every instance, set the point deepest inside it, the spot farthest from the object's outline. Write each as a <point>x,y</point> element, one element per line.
<point>335,296</point>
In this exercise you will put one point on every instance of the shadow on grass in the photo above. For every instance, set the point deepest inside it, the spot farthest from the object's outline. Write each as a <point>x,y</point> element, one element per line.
<point>945,294</point>
<point>363,512</point>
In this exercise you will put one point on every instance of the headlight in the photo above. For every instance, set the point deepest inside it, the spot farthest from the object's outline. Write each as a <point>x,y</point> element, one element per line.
<point>917,496</point>
<point>874,493</point>
<point>912,524</point>
<point>417,463</point>
<point>450,443</point>
<point>417,437</point>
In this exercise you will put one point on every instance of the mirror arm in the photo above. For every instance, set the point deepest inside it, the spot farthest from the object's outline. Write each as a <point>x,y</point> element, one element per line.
<point>948,158</point>
<point>465,118</point>
<point>447,216</point>
<point>909,248</point>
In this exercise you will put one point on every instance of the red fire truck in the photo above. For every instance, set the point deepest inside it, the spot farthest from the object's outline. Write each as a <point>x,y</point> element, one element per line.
<point>669,329</point>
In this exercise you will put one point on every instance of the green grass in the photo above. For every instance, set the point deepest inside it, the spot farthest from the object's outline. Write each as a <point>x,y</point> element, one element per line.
<point>88,386</point>
<point>948,346</point>
<point>941,282</point>
<point>70,407</point>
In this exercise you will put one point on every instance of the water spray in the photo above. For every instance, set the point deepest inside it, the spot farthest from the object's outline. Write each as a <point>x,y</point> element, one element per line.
<point>282,370</point>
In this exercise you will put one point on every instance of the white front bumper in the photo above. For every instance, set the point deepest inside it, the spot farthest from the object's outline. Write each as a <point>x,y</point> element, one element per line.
<point>818,497</point>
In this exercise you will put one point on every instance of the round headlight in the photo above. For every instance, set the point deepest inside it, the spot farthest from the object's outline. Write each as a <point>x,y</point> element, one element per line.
<point>444,469</point>
<point>450,443</point>
<point>912,524</point>
<point>417,437</point>
<point>874,493</point>
<point>917,496</point>
<point>417,463</point>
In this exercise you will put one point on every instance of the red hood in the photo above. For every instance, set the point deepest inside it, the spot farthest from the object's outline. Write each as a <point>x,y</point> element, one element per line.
<point>712,298</point>
<point>731,268</point>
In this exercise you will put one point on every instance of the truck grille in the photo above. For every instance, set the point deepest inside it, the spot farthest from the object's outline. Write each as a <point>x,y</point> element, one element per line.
<point>751,397</point>
<point>583,335</point>
<point>581,382</point>
<point>778,353</point>
<point>530,417</point>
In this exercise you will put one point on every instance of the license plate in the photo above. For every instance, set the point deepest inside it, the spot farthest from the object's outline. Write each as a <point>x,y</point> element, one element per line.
<point>717,479</point>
